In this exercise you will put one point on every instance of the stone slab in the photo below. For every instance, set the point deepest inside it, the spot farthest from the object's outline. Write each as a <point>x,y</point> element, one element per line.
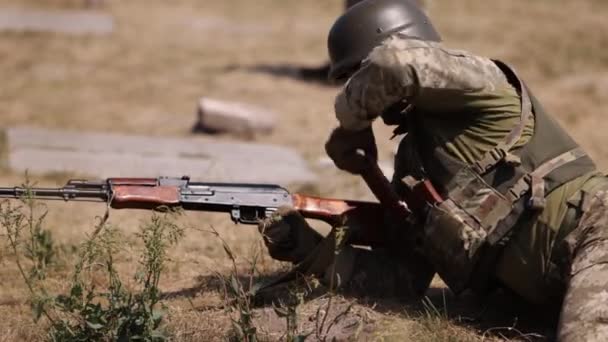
<point>116,155</point>
<point>54,21</point>
<point>385,166</point>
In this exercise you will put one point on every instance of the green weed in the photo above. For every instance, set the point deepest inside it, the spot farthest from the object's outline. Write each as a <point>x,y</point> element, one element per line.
<point>89,311</point>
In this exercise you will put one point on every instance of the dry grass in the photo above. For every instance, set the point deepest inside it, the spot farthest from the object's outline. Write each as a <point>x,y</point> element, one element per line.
<point>146,77</point>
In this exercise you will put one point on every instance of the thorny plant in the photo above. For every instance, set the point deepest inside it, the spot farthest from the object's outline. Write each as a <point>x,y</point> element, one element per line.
<point>288,308</point>
<point>24,231</point>
<point>86,313</point>
<point>289,311</point>
<point>126,315</point>
<point>322,325</point>
<point>239,299</point>
<point>31,245</point>
<point>299,289</point>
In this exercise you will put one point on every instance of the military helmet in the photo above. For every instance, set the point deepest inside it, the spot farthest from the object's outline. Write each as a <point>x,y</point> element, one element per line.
<point>364,25</point>
<point>351,3</point>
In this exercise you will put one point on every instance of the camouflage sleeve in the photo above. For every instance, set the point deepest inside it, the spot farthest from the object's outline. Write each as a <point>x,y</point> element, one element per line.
<point>414,71</point>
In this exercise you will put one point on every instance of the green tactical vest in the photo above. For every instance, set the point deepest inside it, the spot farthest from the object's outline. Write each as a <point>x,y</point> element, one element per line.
<point>484,201</point>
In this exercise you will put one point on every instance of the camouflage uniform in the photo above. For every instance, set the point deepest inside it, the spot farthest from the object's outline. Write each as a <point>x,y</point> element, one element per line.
<point>467,106</point>
<point>584,315</point>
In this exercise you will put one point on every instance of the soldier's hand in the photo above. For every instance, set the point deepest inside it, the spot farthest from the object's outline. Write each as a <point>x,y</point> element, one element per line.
<point>287,235</point>
<point>352,151</point>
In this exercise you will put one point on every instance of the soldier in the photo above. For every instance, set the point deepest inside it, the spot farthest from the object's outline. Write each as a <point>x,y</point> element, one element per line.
<point>523,205</point>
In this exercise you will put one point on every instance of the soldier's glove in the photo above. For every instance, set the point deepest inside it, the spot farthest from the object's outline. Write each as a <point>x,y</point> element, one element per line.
<point>287,235</point>
<point>352,151</point>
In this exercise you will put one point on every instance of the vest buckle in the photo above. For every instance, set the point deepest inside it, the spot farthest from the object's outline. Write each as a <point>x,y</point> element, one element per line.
<point>537,203</point>
<point>537,193</point>
<point>512,160</point>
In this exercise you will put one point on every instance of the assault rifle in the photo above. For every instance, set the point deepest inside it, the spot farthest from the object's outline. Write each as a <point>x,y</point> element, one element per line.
<point>246,203</point>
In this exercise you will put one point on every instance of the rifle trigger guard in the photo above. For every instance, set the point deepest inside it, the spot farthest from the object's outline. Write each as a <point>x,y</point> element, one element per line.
<point>235,215</point>
<point>245,215</point>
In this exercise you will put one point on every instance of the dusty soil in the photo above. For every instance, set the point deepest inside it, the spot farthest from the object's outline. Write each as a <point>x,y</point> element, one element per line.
<point>146,77</point>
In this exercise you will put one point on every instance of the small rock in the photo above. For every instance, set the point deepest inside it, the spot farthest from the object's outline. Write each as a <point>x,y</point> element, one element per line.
<point>233,117</point>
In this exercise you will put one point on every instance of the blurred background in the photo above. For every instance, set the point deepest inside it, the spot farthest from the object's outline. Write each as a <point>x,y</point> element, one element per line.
<point>140,67</point>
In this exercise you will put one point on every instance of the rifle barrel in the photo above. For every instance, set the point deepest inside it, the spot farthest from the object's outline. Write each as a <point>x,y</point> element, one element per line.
<point>66,193</point>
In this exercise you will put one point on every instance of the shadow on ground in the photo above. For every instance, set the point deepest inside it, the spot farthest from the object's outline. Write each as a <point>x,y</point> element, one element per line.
<point>310,74</point>
<point>500,315</point>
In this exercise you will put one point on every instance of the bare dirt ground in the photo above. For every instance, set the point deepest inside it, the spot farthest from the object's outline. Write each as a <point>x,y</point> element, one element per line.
<point>146,77</point>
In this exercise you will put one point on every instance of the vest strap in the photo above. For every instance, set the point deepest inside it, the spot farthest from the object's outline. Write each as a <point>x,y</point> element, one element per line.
<point>535,183</point>
<point>501,151</point>
<point>534,180</point>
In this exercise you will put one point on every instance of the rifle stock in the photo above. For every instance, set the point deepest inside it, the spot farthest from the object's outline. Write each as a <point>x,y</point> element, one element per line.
<point>325,209</point>
<point>367,215</point>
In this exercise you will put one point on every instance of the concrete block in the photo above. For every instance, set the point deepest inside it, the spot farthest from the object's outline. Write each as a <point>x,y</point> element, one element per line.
<point>115,155</point>
<point>54,21</point>
<point>385,166</point>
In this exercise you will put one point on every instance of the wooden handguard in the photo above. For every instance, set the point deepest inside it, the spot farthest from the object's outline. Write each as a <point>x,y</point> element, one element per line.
<point>144,196</point>
<point>133,181</point>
